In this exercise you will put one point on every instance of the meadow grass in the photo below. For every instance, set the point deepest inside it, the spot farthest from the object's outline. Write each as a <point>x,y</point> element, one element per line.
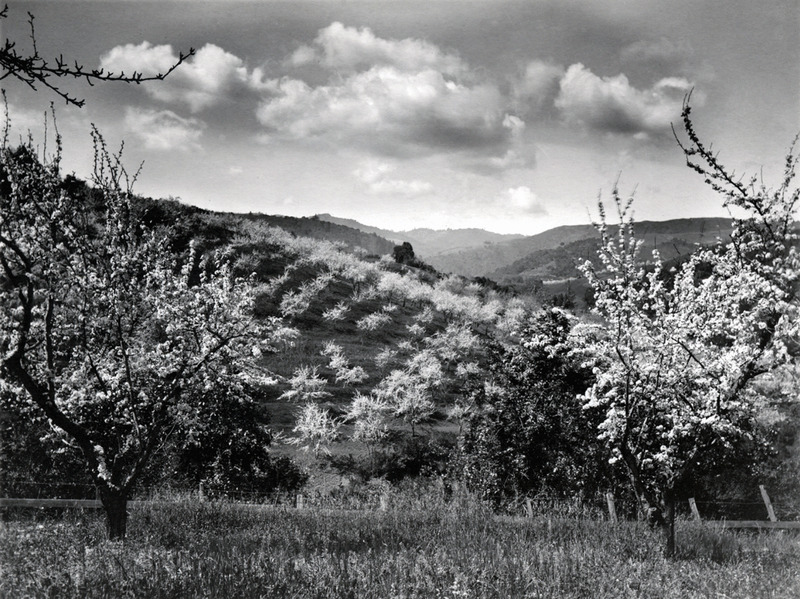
<point>420,547</point>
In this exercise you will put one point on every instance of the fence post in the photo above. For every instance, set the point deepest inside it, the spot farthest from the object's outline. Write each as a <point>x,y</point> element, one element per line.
<point>384,502</point>
<point>768,503</point>
<point>301,501</point>
<point>695,511</point>
<point>529,508</point>
<point>201,491</point>
<point>612,512</point>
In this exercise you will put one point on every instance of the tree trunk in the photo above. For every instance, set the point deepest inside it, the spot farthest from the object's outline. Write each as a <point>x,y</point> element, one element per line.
<point>648,503</point>
<point>669,525</point>
<point>115,505</point>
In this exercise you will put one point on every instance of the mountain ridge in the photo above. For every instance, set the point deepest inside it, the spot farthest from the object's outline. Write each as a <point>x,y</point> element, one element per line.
<point>427,242</point>
<point>486,254</point>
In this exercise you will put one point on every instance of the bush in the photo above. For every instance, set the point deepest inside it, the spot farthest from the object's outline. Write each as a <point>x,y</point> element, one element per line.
<point>528,432</point>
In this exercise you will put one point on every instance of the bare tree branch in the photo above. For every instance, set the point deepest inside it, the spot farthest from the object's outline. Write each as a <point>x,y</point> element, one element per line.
<point>35,70</point>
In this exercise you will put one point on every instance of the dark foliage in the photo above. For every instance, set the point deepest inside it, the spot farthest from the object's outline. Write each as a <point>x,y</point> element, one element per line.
<point>225,446</point>
<point>404,254</point>
<point>534,435</point>
<point>401,457</point>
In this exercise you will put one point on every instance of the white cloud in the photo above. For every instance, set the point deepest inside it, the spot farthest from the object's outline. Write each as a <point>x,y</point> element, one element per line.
<point>375,175</point>
<point>348,48</point>
<point>524,200</point>
<point>210,77</point>
<point>163,129</point>
<point>390,110</point>
<point>613,105</point>
<point>144,58</point>
<point>393,97</point>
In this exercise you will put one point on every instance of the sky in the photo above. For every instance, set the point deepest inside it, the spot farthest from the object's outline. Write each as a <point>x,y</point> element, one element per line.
<point>514,117</point>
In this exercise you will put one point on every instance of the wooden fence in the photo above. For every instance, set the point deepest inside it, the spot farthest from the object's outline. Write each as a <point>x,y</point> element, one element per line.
<point>300,503</point>
<point>771,523</point>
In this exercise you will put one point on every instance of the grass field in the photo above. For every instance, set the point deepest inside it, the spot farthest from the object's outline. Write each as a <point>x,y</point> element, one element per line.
<point>421,547</point>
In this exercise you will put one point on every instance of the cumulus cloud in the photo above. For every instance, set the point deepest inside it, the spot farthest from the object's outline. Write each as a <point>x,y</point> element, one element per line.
<point>612,104</point>
<point>375,175</point>
<point>348,48</point>
<point>163,129</point>
<point>390,109</point>
<point>537,86</point>
<point>211,76</point>
<point>524,200</point>
<point>394,97</point>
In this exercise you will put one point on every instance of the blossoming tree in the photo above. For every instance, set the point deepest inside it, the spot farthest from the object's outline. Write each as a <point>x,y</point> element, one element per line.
<point>681,349</point>
<point>103,329</point>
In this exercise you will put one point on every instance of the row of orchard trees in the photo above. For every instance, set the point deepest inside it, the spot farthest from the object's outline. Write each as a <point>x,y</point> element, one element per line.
<point>117,342</point>
<point>120,342</point>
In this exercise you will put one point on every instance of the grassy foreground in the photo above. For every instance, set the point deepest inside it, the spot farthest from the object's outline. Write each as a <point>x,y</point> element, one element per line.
<point>416,549</point>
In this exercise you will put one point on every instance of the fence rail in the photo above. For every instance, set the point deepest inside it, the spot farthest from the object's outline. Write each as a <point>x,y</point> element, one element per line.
<point>773,522</point>
<point>300,501</point>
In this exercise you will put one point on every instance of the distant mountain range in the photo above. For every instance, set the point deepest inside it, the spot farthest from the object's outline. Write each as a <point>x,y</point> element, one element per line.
<point>428,243</point>
<point>548,256</point>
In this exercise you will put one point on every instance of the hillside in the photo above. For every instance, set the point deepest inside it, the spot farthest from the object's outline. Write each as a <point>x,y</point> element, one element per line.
<point>316,228</point>
<point>383,315</point>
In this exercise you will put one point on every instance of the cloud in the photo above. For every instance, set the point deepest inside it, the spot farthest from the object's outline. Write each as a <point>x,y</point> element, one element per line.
<point>523,199</point>
<point>612,104</point>
<point>374,175</point>
<point>163,129</point>
<point>350,49</point>
<point>537,87</point>
<point>390,110</point>
<point>397,98</point>
<point>210,77</point>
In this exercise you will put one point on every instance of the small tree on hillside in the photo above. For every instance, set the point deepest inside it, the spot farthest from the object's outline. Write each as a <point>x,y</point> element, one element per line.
<point>306,386</point>
<point>102,329</point>
<point>369,415</point>
<point>315,429</point>
<point>678,359</point>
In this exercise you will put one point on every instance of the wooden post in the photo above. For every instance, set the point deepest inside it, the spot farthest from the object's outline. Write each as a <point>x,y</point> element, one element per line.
<point>612,512</point>
<point>301,501</point>
<point>695,511</point>
<point>528,508</point>
<point>384,502</point>
<point>201,491</point>
<point>768,503</point>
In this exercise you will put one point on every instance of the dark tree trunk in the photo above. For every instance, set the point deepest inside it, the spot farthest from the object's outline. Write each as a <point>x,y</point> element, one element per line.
<point>115,505</point>
<point>669,525</point>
